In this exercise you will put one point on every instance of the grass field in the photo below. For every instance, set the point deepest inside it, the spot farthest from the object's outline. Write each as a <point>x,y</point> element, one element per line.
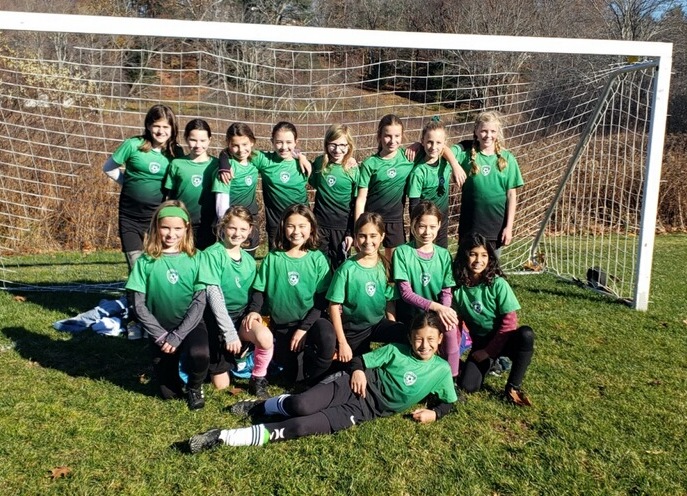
<point>609,387</point>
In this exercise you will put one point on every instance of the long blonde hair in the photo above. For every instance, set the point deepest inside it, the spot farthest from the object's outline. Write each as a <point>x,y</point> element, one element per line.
<point>152,242</point>
<point>488,116</point>
<point>334,132</point>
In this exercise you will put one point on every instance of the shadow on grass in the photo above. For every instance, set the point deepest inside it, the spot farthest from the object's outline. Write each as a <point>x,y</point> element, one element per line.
<point>69,303</point>
<point>67,263</point>
<point>564,289</point>
<point>116,360</point>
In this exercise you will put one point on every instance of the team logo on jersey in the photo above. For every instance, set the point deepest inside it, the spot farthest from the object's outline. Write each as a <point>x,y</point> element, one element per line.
<point>391,173</point>
<point>409,378</point>
<point>249,181</point>
<point>486,169</point>
<point>331,181</point>
<point>294,277</point>
<point>370,288</point>
<point>196,180</point>
<point>477,306</point>
<point>284,177</point>
<point>426,278</point>
<point>172,276</point>
<point>237,280</point>
<point>154,167</point>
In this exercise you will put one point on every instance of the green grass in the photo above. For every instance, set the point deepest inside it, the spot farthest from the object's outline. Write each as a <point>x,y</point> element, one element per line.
<point>609,387</point>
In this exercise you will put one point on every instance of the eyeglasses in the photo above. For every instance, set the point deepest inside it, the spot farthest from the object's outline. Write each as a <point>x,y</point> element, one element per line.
<point>340,146</point>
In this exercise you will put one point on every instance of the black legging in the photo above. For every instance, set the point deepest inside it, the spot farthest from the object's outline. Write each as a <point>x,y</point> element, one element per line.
<point>305,410</point>
<point>519,348</point>
<point>196,353</point>
<point>316,356</point>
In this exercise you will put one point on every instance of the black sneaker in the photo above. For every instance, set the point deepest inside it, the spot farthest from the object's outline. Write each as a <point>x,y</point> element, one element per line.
<point>246,407</point>
<point>204,441</point>
<point>258,387</point>
<point>195,398</point>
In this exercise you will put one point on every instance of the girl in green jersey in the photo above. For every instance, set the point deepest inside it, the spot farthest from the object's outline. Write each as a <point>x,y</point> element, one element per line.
<point>189,179</point>
<point>487,305</point>
<point>335,177</point>
<point>168,301</point>
<point>239,187</point>
<point>291,283</point>
<point>385,381</point>
<point>139,166</point>
<point>229,272</point>
<point>423,276</point>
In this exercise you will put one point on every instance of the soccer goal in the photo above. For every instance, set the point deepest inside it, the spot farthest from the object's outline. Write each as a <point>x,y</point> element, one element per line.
<point>585,119</point>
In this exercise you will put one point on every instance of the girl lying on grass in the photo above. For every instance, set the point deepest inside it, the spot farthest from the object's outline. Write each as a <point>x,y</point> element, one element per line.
<point>385,381</point>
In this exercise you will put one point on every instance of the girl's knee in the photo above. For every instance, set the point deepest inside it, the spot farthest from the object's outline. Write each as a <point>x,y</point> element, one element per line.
<point>297,405</point>
<point>264,338</point>
<point>526,337</point>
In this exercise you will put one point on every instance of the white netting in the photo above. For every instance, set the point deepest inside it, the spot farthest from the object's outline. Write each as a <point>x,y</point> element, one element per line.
<point>62,118</point>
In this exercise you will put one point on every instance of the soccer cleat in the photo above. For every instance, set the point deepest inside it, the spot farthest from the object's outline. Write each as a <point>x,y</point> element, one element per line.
<point>258,387</point>
<point>195,399</point>
<point>204,441</point>
<point>245,408</point>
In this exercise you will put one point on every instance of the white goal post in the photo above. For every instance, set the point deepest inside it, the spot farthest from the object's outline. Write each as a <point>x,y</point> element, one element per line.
<point>589,137</point>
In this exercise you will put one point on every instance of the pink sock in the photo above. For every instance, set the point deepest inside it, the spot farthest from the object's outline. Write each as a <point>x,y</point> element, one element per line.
<point>450,350</point>
<point>261,359</point>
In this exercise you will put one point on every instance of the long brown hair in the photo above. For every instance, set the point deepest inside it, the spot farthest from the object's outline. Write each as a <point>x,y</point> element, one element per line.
<point>378,221</point>
<point>154,114</point>
<point>387,120</point>
<point>281,241</point>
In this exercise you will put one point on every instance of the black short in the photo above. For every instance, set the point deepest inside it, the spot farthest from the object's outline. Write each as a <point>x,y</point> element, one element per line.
<point>331,241</point>
<point>349,409</point>
<point>131,232</point>
<point>221,360</point>
<point>395,234</point>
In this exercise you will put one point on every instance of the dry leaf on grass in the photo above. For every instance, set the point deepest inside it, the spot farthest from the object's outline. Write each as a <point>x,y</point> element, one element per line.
<point>519,398</point>
<point>59,472</point>
<point>19,298</point>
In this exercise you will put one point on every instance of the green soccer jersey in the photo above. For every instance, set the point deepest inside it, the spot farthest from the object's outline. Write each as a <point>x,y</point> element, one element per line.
<point>386,183</point>
<point>362,292</point>
<point>143,175</point>
<point>431,182</point>
<point>169,283</point>
<point>404,380</point>
<point>283,183</point>
<point>235,277</point>
<point>336,192</point>
<point>242,188</point>
<point>483,201</point>
<point>480,306</point>
<point>291,284</point>
<point>427,277</point>
<point>191,183</point>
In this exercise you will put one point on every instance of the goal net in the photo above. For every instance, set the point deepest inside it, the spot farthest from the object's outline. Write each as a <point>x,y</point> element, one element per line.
<point>584,119</point>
